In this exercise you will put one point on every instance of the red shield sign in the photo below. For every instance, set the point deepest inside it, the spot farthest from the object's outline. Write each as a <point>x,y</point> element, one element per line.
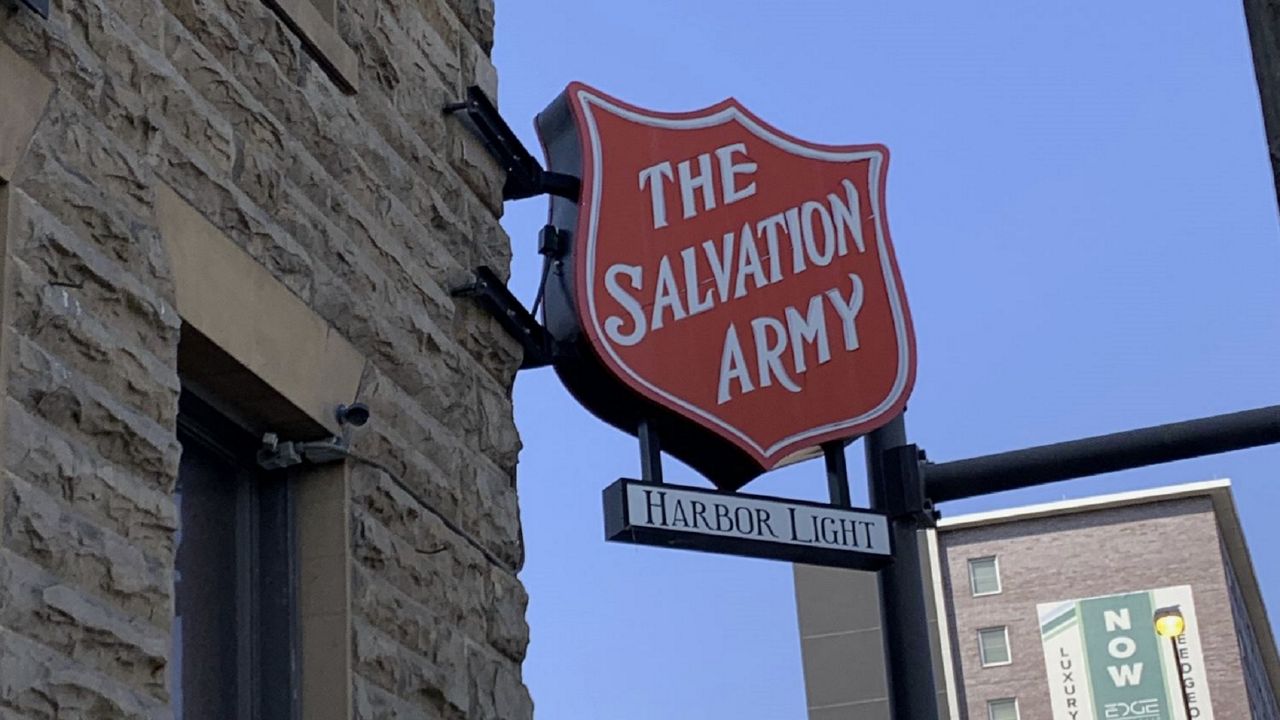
<point>736,276</point>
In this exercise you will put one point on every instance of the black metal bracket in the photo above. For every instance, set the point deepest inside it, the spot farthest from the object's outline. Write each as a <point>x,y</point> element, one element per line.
<point>525,176</point>
<point>907,498</point>
<point>553,242</point>
<point>492,294</point>
<point>276,453</point>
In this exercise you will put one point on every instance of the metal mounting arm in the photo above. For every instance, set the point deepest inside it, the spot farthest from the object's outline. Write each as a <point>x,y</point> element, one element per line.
<point>525,176</point>
<point>492,294</point>
<point>959,479</point>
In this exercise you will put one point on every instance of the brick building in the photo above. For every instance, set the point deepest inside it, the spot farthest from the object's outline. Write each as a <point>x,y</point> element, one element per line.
<point>1048,609</point>
<point>222,219</point>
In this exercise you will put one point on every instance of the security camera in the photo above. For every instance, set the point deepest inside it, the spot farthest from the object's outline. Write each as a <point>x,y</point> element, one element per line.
<point>355,414</point>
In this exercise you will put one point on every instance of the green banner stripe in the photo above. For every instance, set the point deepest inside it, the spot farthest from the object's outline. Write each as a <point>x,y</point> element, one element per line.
<point>1124,659</point>
<point>1055,625</point>
<point>1062,629</point>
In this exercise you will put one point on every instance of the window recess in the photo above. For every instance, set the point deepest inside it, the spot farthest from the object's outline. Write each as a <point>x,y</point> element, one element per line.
<point>984,576</point>
<point>1006,709</point>
<point>315,23</point>
<point>993,646</point>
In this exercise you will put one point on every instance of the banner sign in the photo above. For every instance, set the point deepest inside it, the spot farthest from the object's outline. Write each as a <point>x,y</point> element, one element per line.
<point>732,285</point>
<point>1106,662</point>
<point>747,525</point>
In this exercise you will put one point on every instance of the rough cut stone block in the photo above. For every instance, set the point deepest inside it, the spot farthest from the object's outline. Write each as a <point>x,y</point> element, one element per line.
<point>366,209</point>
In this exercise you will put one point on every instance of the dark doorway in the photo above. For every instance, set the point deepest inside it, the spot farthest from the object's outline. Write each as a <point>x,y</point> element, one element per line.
<point>234,635</point>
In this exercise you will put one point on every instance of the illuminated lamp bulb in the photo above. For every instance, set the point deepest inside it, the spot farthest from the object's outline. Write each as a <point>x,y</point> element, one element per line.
<point>1169,622</point>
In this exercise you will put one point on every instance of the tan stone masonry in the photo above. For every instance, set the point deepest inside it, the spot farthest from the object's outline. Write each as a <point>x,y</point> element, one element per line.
<point>185,187</point>
<point>25,92</point>
<point>255,319</point>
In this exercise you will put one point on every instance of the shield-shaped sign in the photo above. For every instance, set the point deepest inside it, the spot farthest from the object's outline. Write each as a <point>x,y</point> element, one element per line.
<point>730,282</point>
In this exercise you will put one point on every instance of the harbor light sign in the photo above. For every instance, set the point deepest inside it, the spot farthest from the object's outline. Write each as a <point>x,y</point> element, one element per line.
<point>1106,662</point>
<point>749,525</point>
<point>732,283</point>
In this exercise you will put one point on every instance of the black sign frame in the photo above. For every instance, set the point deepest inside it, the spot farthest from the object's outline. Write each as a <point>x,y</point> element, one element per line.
<point>618,528</point>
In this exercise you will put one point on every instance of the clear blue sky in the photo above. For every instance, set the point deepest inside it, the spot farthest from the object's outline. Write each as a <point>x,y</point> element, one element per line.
<point>1084,215</point>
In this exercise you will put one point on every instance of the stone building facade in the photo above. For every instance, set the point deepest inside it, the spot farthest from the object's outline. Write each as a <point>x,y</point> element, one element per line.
<point>226,218</point>
<point>1035,557</point>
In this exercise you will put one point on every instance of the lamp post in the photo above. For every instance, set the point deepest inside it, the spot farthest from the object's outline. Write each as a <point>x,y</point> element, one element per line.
<point>1170,624</point>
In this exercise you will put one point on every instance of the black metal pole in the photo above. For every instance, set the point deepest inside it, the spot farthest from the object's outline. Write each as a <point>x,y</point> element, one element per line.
<point>1182,677</point>
<point>903,603</point>
<point>650,453</point>
<point>837,474</point>
<point>1102,454</point>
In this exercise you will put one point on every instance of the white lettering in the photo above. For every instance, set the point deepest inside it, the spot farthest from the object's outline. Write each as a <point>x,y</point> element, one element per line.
<point>1117,620</point>
<point>848,217</point>
<point>811,328</point>
<point>689,256</point>
<point>824,258</point>
<point>729,173</point>
<point>748,262</point>
<point>797,243</point>
<point>1122,648</point>
<point>733,366</point>
<point>690,182</point>
<point>613,325</point>
<point>667,296</point>
<point>769,354</point>
<point>720,264</point>
<point>769,227</point>
<point>848,311</point>
<point>1125,675</point>
<point>653,177</point>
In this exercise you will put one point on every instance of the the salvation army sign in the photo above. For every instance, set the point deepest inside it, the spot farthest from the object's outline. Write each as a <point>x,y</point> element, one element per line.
<point>731,283</point>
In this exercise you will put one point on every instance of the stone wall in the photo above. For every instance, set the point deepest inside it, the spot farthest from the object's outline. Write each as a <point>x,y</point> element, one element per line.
<point>368,207</point>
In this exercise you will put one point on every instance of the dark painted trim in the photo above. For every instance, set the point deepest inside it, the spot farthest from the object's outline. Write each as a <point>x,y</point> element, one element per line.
<point>39,6</point>
<point>618,528</point>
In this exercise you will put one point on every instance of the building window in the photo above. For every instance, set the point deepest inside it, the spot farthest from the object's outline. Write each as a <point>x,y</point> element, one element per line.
<point>1006,709</point>
<point>234,630</point>
<point>993,646</point>
<point>984,576</point>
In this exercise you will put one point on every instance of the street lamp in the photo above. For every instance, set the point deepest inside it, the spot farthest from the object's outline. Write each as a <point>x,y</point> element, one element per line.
<point>1171,624</point>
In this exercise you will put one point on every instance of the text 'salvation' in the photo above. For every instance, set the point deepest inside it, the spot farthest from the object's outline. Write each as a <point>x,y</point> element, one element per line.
<point>812,234</point>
